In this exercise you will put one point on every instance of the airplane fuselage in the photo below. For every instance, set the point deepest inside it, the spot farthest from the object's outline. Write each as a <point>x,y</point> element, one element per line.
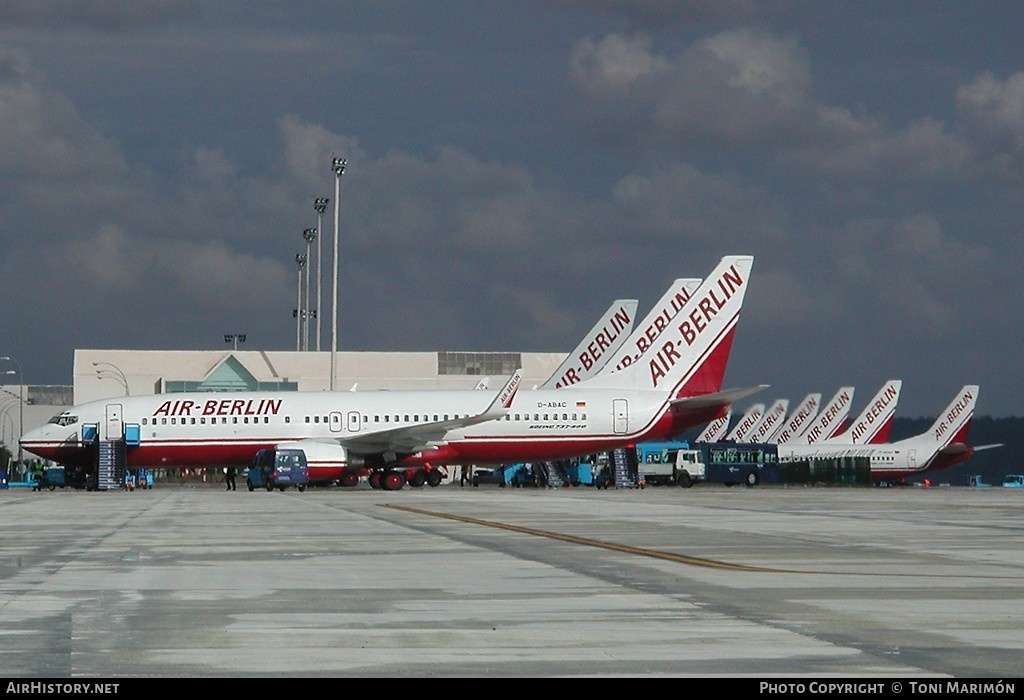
<point>220,429</point>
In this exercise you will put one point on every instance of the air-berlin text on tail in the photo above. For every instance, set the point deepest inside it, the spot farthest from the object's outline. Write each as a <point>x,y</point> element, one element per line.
<point>220,407</point>
<point>708,306</point>
<point>596,348</point>
<point>748,421</point>
<point>874,412</point>
<point>646,339</point>
<point>509,392</point>
<point>777,413</point>
<point>827,418</point>
<point>953,413</point>
<point>803,412</point>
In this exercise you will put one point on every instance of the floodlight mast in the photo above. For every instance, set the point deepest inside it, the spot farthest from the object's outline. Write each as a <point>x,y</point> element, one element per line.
<point>310,235</point>
<point>299,311</point>
<point>338,167</point>
<point>320,204</point>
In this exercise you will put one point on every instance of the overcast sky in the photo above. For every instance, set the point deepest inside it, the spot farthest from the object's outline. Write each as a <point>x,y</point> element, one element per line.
<point>513,167</point>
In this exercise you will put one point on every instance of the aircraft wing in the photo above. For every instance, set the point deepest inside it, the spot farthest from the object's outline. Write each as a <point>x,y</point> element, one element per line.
<point>413,438</point>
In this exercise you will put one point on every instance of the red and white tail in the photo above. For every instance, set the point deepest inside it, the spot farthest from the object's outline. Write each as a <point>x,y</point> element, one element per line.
<point>874,423</point>
<point>654,323</point>
<point>829,420</point>
<point>953,423</point>
<point>741,431</point>
<point>799,419</point>
<point>690,355</point>
<point>597,347</point>
<point>771,422</point>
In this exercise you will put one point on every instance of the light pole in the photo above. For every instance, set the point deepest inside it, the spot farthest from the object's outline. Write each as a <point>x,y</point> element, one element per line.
<point>301,260</point>
<point>235,339</point>
<point>310,235</point>
<point>338,166</point>
<point>21,414</point>
<point>113,373</point>
<point>320,204</point>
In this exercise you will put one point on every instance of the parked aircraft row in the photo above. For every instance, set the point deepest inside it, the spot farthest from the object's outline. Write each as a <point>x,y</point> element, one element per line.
<point>823,435</point>
<point>621,385</point>
<point>666,387</point>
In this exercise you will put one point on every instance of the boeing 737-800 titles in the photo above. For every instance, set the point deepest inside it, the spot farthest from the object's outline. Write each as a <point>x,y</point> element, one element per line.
<point>394,435</point>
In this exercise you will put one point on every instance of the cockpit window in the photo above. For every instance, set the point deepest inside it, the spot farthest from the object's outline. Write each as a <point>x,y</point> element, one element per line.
<point>64,419</point>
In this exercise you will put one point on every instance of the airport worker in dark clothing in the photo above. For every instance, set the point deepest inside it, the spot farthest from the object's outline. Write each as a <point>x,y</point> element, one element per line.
<point>230,478</point>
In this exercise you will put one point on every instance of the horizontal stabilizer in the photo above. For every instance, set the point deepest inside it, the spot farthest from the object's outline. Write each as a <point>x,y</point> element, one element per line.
<point>989,447</point>
<point>719,398</point>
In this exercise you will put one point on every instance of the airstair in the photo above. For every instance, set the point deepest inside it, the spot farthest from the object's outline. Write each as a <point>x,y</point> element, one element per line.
<point>624,467</point>
<point>110,465</point>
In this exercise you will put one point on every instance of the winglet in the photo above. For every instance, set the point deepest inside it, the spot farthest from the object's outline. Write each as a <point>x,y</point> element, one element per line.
<point>503,399</point>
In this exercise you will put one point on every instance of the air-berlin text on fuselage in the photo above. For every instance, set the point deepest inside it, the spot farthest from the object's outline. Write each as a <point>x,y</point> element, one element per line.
<point>954,412</point>
<point>596,347</point>
<point>697,321</point>
<point>828,416</point>
<point>646,339</point>
<point>876,409</point>
<point>220,407</point>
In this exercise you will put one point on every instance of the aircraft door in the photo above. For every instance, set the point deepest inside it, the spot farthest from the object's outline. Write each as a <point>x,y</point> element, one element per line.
<point>620,416</point>
<point>113,423</point>
<point>912,458</point>
<point>334,421</point>
<point>353,421</point>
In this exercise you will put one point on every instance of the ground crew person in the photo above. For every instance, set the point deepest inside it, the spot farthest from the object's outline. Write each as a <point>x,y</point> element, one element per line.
<point>38,475</point>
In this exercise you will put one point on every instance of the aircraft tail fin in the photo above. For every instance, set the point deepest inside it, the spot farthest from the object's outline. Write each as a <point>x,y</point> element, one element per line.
<point>953,424</point>
<point>690,355</point>
<point>746,423</point>
<point>829,420</point>
<point>874,423</point>
<point>597,346</point>
<point>653,324</point>
<point>716,430</point>
<point>799,419</point>
<point>772,422</point>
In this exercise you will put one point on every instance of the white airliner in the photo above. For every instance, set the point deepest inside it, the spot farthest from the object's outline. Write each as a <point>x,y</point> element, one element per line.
<point>393,436</point>
<point>942,445</point>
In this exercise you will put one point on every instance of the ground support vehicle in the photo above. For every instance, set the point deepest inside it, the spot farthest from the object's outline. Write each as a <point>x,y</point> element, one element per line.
<point>656,462</point>
<point>1014,481</point>
<point>278,468</point>
<point>728,463</point>
<point>977,481</point>
<point>138,479</point>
